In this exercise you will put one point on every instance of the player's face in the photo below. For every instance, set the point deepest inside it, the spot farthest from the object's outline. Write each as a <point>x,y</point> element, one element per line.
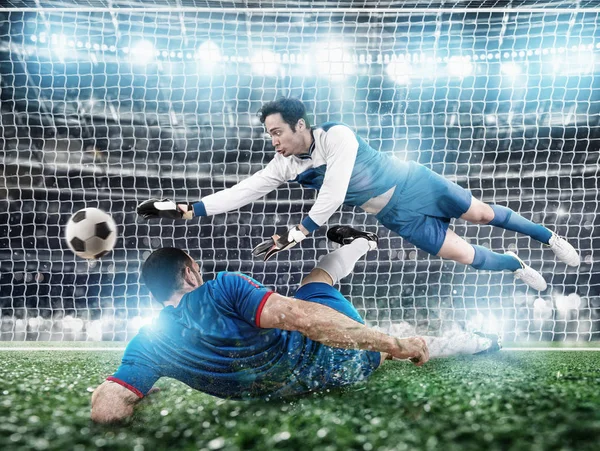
<point>286,141</point>
<point>193,274</point>
<point>196,272</point>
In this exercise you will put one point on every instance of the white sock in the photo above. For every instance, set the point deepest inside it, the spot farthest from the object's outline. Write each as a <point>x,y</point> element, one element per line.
<point>339,263</point>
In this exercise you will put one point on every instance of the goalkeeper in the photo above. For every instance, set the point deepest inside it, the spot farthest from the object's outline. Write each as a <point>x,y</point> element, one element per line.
<point>406,197</point>
<point>233,338</point>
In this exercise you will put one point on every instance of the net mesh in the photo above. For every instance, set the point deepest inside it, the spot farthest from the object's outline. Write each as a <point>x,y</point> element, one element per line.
<point>108,104</point>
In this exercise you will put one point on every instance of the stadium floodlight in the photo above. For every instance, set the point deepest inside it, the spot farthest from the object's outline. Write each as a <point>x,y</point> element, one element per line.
<point>459,66</point>
<point>399,71</point>
<point>264,62</point>
<point>142,52</point>
<point>334,60</point>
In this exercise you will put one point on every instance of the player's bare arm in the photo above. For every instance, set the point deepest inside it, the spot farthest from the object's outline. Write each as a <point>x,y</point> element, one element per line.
<point>112,403</point>
<point>328,326</point>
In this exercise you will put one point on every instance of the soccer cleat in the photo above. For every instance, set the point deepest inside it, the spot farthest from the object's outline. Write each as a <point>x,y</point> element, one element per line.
<point>528,275</point>
<point>494,340</point>
<point>563,250</point>
<point>345,235</point>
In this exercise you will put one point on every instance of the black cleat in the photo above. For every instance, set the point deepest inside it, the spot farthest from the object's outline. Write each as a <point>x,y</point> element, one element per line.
<point>345,235</point>
<point>494,347</point>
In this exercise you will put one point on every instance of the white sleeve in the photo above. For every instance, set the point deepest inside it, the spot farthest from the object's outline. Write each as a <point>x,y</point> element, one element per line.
<point>246,191</point>
<point>340,147</point>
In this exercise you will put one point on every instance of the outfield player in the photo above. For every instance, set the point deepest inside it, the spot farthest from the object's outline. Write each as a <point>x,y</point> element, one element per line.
<point>233,338</point>
<point>406,197</point>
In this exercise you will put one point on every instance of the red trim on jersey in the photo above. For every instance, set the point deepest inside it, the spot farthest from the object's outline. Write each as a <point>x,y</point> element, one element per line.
<point>259,310</point>
<point>251,282</point>
<point>126,385</point>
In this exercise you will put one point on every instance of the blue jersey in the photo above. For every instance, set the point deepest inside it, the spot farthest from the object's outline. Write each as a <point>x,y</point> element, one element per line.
<point>212,341</point>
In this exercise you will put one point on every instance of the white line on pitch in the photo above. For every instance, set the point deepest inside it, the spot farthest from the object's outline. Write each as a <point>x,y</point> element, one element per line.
<point>59,349</point>
<point>552,349</point>
<point>122,349</point>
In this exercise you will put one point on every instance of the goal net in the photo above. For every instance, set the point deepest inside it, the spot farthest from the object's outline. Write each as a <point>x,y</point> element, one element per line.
<point>105,104</point>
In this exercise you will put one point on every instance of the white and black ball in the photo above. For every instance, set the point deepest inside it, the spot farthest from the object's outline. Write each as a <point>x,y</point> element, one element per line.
<point>91,233</point>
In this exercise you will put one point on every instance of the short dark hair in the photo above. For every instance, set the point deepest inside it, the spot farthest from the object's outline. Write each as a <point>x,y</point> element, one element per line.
<point>291,110</point>
<point>162,272</point>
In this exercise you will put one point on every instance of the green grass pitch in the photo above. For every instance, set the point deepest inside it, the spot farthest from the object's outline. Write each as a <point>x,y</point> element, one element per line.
<point>511,400</point>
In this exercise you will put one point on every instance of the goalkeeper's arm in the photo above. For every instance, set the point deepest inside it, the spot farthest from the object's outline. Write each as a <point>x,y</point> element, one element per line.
<point>245,192</point>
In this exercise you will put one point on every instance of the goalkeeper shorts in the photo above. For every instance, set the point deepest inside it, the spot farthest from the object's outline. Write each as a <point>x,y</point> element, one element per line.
<point>420,211</point>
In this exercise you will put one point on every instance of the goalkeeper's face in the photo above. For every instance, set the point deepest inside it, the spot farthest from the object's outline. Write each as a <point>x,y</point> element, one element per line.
<point>286,141</point>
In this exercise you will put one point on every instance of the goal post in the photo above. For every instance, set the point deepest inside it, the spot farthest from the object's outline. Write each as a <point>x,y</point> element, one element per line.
<point>106,104</point>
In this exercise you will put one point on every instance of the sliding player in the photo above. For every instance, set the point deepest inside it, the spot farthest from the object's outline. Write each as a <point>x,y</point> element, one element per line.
<point>406,197</point>
<point>233,338</point>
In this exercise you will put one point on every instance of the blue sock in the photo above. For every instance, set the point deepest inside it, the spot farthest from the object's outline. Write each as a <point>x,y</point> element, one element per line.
<point>509,220</point>
<point>493,261</point>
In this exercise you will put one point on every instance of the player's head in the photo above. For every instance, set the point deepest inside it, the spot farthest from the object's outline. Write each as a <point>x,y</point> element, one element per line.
<point>285,120</point>
<point>168,271</point>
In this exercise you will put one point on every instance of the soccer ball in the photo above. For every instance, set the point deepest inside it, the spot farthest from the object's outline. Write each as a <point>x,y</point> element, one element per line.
<point>91,233</point>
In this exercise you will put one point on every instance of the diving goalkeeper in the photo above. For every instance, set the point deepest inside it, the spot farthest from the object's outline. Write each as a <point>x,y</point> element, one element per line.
<point>406,197</point>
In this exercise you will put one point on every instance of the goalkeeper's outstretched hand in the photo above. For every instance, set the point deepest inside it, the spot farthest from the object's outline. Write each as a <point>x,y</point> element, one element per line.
<point>164,208</point>
<point>279,243</point>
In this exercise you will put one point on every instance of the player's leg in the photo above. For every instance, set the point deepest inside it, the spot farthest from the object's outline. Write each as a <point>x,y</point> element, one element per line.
<point>499,216</point>
<point>457,249</point>
<point>338,264</point>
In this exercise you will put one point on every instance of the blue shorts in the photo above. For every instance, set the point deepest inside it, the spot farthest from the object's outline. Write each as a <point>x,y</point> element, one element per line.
<point>332,367</point>
<point>325,294</point>
<point>421,209</point>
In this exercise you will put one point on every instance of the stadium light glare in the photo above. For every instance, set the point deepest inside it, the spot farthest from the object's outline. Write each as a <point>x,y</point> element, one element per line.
<point>510,69</point>
<point>575,63</point>
<point>334,60</point>
<point>399,71</point>
<point>138,322</point>
<point>59,45</point>
<point>208,53</point>
<point>264,62</point>
<point>459,66</point>
<point>34,38</point>
<point>142,52</point>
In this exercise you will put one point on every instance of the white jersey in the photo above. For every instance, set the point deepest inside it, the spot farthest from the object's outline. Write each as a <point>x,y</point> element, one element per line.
<point>342,166</point>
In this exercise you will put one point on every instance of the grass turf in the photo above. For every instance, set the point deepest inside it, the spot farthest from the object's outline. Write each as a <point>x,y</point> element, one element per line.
<point>525,400</point>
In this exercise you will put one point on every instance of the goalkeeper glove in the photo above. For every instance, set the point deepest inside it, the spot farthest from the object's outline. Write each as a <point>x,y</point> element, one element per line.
<point>164,208</point>
<point>279,243</point>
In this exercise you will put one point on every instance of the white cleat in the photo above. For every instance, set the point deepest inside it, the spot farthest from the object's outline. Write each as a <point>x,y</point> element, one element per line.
<point>564,251</point>
<point>528,275</point>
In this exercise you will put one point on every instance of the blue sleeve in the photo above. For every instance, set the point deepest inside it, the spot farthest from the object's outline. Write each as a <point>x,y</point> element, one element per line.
<point>199,209</point>
<point>246,296</point>
<point>138,369</point>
